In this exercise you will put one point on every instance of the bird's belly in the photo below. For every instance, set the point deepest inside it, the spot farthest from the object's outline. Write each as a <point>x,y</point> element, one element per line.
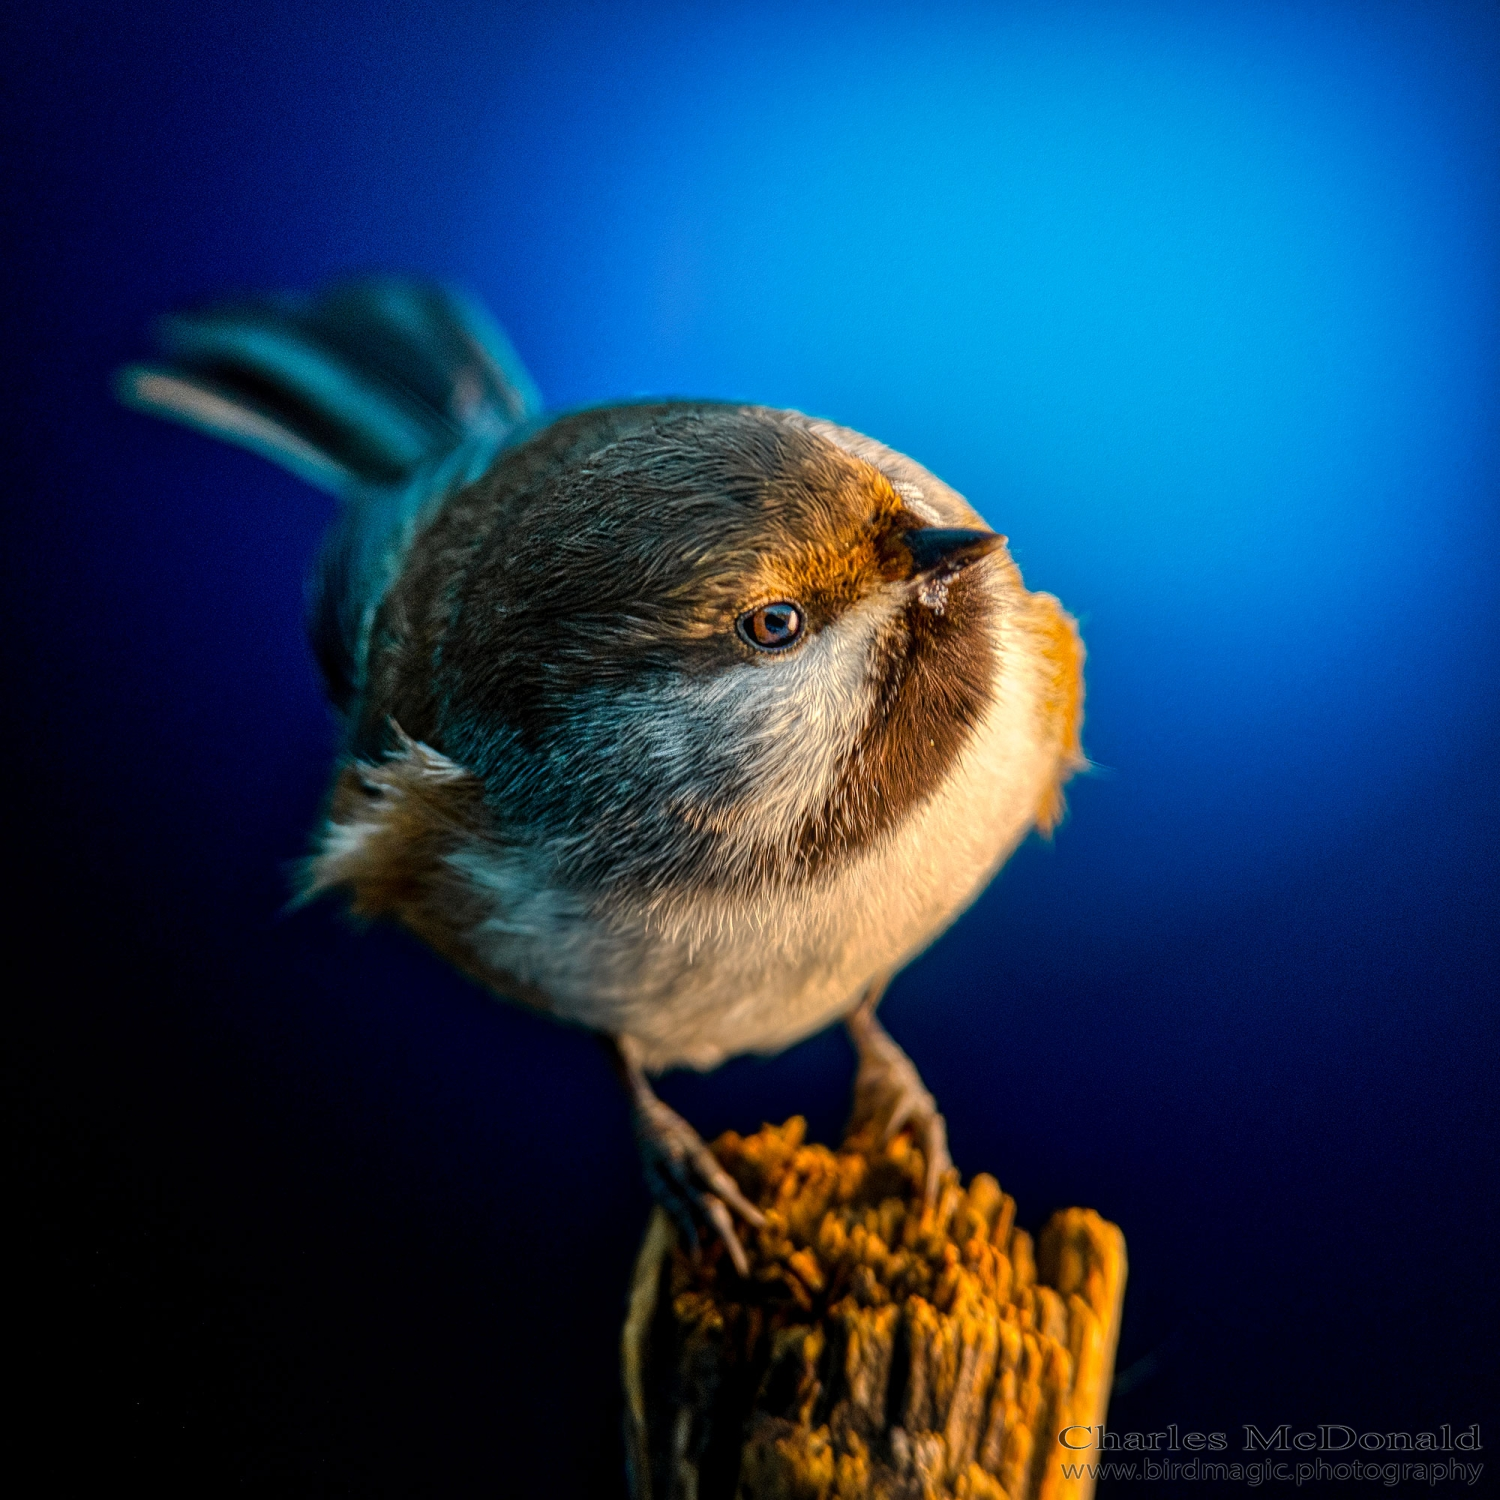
<point>701,978</point>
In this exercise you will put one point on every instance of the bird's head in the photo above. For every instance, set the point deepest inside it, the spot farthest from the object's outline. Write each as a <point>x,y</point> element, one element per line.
<point>730,645</point>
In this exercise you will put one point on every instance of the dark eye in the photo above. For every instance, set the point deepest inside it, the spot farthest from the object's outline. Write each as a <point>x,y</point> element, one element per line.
<point>772,627</point>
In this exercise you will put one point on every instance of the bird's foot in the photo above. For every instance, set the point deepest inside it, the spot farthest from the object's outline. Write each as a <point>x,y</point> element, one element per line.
<point>684,1176</point>
<point>889,1093</point>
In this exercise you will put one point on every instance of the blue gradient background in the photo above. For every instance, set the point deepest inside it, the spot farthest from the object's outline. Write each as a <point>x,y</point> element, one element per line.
<point>1197,303</point>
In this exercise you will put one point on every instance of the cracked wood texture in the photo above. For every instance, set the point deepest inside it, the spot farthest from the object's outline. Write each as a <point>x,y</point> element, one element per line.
<point>877,1351</point>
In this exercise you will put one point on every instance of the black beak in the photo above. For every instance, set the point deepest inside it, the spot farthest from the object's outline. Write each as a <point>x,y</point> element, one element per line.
<point>940,549</point>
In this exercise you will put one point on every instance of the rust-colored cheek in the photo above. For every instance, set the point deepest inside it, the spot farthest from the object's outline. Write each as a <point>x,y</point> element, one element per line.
<point>1058,652</point>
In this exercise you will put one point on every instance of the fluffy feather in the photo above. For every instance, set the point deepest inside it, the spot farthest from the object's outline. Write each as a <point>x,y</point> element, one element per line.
<point>566,771</point>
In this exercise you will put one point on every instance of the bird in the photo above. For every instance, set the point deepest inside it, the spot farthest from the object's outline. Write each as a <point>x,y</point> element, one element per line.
<point>688,722</point>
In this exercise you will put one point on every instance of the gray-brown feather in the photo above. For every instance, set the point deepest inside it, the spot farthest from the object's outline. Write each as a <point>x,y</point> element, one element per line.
<point>600,567</point>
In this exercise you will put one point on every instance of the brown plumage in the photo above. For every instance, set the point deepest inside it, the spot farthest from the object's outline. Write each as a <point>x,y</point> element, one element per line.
<point>688,722</point>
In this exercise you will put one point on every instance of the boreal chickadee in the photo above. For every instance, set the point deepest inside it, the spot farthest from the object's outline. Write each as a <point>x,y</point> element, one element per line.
<point>685,721</point>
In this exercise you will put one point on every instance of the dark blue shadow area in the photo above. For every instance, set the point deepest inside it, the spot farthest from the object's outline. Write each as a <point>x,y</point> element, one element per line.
<point>1198,303</point>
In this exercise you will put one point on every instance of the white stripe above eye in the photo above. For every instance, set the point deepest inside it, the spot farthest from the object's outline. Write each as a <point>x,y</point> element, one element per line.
<point>916,502</point>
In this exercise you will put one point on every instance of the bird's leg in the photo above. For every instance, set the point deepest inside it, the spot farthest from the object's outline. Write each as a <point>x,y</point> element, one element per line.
<point>889,1092</point>
<point>683,1174</point>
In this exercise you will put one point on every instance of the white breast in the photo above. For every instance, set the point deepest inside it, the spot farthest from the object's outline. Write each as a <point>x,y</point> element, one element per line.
<point>699,978</point>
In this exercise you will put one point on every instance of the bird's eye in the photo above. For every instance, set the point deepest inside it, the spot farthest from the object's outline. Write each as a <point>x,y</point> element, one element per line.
<point>772,627</point>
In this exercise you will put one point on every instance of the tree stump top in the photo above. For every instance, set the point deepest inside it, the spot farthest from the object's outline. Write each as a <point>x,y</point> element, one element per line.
<point>879,1350</point>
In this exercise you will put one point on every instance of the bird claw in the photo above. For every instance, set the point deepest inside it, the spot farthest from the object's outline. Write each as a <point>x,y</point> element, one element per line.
<point>687,1179</point>
<point>889,1093</point>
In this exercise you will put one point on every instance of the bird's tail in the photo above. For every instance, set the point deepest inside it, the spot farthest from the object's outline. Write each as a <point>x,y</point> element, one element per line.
<point>357,388</point>
<point>384,391</point>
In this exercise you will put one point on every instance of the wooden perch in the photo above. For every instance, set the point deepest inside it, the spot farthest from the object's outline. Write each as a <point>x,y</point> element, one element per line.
<point>877,1351</point>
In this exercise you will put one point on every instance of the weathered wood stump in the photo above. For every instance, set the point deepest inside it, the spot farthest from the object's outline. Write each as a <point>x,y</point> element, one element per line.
<point>877,1350</point>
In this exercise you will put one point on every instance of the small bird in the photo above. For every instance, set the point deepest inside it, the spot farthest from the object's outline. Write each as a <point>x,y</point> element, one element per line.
<point>688,722</point>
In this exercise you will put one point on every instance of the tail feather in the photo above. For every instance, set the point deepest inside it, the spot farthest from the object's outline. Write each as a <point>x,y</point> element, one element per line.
<point>353,410</point>
<point>384,391</point>
<point>225,413</point>
<point>363,385</point>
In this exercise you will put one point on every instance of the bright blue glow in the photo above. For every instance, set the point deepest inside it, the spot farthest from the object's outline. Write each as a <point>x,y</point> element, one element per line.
<point>1197,306</point>
<point>1197,302</point>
